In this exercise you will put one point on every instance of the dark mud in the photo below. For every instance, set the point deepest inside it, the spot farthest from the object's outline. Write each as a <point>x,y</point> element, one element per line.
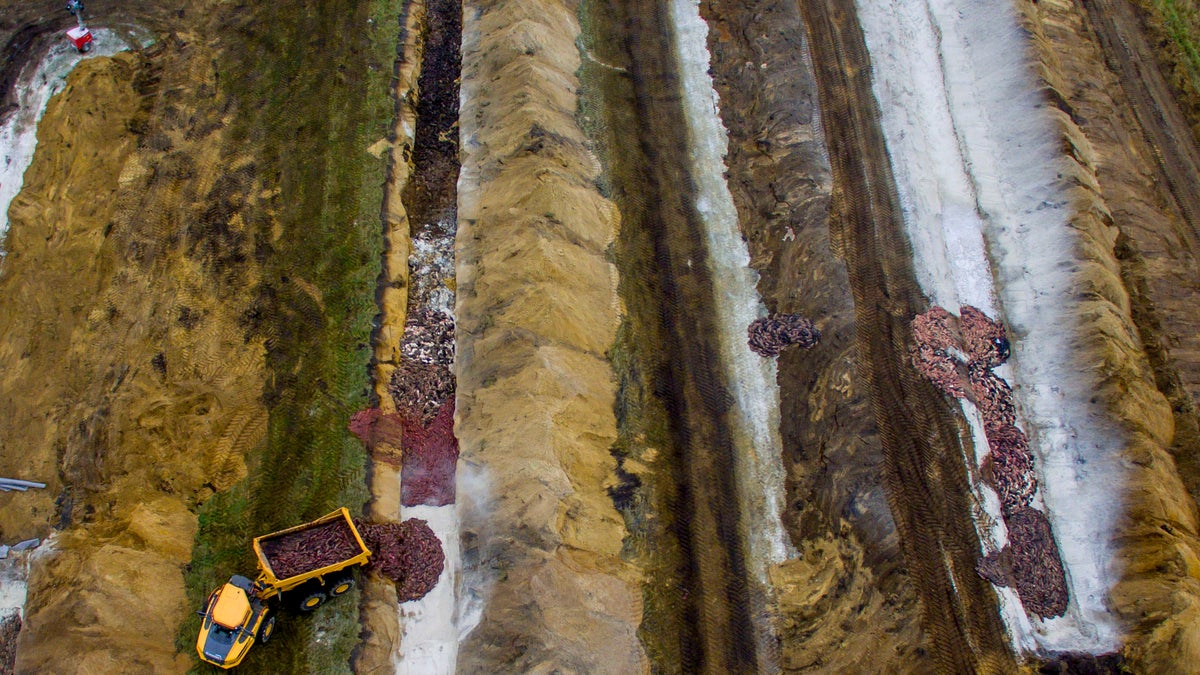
<point>431,196</point>
<point>25,43</point>
<point>779,177</point>
<point>780,180</point>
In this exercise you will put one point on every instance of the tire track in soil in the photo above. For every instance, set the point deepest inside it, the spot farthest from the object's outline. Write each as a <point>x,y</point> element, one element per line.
<point>1157,257</point>
<point>657,200</point>
<point>924,470</point>
<point>1166,130</point>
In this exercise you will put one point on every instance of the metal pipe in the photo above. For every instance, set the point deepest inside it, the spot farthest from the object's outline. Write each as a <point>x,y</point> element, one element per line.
<point>18,484</point>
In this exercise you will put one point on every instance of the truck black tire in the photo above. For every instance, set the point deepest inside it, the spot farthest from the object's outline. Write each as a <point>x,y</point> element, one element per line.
<point>340,586</point>
<point>266,630</point>
<point>312,601</point>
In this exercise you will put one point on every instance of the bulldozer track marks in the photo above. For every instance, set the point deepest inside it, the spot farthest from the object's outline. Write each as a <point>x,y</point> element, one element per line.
<point>924,470</point>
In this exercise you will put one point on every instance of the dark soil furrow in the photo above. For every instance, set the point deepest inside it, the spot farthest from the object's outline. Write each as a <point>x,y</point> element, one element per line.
<point>780,182</point>
<point>922,439</point>
<point>430,195</point>
<point>662,245</point>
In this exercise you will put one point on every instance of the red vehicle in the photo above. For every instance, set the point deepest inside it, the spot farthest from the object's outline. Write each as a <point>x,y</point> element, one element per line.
<point>79,36</point>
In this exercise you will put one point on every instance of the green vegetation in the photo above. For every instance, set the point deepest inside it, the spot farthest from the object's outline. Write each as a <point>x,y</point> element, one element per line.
<point>312,84</point>
<point>1176,25</point>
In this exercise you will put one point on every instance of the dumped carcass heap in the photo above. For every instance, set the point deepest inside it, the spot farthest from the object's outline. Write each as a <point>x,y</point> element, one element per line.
<point>769,335</point>
<point>311,549</point>
<point>407,553</point>
<point>419,436</point>
<point>957,354</point>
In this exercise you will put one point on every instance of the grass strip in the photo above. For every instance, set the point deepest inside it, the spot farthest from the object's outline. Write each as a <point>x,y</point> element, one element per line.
<point>313,86</point>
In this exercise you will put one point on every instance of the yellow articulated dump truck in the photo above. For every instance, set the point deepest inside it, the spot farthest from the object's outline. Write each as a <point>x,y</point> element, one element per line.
<point>304,565</point>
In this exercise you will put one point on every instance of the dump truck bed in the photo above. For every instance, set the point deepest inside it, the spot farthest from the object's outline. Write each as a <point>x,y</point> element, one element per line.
<point>324,546</point>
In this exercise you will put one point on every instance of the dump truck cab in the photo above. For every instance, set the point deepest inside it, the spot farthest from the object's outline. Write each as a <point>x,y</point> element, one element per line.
<point>232,620</point>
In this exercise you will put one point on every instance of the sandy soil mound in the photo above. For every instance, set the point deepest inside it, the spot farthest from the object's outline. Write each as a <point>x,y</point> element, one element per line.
<point>1131,273</point>
<point>139,390</point>
<point>537,308</point>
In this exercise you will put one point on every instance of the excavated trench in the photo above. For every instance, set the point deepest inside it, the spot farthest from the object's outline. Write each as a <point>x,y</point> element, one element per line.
<point>921,437</point>
<point>672,333</point>
<point>910,459</point>
<point>606,524</point>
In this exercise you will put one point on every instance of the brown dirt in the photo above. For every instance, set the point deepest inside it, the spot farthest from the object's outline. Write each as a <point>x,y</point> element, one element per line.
<point>139,379</point>
<point>1148,179</point>
<point>1143,332</point>
<point>123,304</point>
<point>536,308</point>
<point>89,284</point>
<point>22,44</point>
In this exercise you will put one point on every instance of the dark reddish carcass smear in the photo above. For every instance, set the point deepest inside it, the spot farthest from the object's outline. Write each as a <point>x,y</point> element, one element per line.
<point>430,455</point>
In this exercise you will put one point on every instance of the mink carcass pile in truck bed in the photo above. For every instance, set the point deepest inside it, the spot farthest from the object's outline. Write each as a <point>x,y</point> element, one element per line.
<point>311,549</point>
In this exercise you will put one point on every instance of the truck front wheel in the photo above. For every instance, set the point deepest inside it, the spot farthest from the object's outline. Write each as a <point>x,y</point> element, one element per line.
<point>267,629</point>
<point>312,601</point>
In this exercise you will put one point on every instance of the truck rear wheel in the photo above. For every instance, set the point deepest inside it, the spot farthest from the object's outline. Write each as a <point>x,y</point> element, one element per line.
<point>312,601</point>
<point>341,586</point>
<point>266,630</point>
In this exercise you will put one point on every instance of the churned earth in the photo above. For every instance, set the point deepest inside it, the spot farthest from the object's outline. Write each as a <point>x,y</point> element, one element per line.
<point>189,287</point>
<point>225,234</point>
